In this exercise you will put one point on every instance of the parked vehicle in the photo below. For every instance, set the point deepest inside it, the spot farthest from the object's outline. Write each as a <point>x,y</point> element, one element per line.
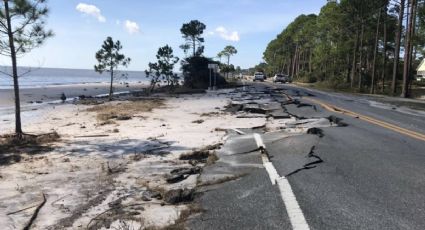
<point>283,78</point>
<point>259,76</point>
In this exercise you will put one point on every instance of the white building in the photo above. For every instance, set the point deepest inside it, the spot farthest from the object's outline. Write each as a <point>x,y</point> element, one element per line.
<point>421,71</point>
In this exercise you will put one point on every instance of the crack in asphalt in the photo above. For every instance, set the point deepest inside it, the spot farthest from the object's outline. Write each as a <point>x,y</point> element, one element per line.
<point>309,165</point>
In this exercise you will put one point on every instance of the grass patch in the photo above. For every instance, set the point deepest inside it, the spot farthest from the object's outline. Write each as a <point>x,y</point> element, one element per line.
<point>11,147</point>
<point>28,140</point>
<point>124,110</point>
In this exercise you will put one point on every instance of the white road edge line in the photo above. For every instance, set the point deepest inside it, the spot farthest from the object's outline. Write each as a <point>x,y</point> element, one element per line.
<point>259,141</point>
<point>293,209</point>
<point>274,176</point>
<point>239,131</point>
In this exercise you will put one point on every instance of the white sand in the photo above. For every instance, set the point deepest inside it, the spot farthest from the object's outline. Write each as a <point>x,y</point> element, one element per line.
<point>75,172</point>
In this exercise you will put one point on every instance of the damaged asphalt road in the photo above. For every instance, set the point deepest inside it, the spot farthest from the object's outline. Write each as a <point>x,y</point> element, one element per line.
<point>344,173</point>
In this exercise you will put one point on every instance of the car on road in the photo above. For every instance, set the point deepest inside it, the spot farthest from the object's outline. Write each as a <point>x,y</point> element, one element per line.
<point>259,76</point>
<point>282,78</point>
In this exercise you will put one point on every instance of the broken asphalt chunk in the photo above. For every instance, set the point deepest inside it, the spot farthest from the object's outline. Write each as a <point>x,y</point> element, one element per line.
<point>177,196</point>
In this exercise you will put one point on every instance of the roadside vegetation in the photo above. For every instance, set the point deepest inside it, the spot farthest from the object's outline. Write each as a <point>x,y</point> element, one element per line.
<point>124,110</point>
<point>22,26</point>
<point>351,45</point>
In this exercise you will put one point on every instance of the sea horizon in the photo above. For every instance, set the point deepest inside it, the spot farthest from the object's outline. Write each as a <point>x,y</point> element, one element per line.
<point>47,76</point>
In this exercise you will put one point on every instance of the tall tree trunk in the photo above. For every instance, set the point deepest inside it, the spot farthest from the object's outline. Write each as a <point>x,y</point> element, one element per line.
<point>290,66</point>
<point>354,65</point>
<point>348,68</point>
<point>299,56</point>
<point>412,57</point>
<point>287,67</point>
<point>407,53</point>
<point>361,56</point>
<point>397,47</point>
<point>310,64</point>
<point>294,63</point>
<point>384,61</point>
<point>228,66</point>
<point>375,53</point>
<point>110,86</point>
<point>18,124</point>
<point>194,46</point>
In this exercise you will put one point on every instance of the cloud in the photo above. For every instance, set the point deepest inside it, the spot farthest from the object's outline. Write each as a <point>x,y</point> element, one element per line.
<point>91,10</point>
<point>226,35</point>
<point>131,27</point>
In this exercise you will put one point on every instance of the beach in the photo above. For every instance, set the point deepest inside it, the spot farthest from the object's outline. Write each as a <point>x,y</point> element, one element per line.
<point>125,158</point>
<point>53,92</point>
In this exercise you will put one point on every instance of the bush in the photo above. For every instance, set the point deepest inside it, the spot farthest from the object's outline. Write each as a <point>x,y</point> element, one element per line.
<point>196,73</point>
<point>306,77</point>
<point>336,82</point>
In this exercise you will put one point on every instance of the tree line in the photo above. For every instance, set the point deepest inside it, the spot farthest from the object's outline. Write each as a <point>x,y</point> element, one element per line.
<point>365,45</point>
<point>22,28</point>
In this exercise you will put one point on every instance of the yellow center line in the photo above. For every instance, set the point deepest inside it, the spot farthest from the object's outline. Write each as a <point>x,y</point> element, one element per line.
<point>384,124</point>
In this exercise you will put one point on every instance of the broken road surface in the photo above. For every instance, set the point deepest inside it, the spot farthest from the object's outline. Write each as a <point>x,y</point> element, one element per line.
<point>338,172</point>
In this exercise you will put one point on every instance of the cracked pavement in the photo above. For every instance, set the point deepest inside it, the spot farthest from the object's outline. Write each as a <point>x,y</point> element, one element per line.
<point>345,173</point>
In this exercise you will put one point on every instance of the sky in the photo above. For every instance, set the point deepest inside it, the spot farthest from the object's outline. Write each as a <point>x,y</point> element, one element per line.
<point>143,26</point>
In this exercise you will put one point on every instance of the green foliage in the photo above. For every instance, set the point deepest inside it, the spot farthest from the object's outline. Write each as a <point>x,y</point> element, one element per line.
<point>109,59</point>
<point>196,72</point>
<point>27,20</point>
<point>109,56</point>
<point>336,83</point>
<point>163,68</point>
<point>192,33</point>
<point>337,45</point>
<point>185,48</point>
<point>22,28</point>
<point>227,52</point>
<point>306,77</point>
<point>227,68</point>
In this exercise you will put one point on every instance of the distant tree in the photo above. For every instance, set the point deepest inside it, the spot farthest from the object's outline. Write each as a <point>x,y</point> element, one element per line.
<point>185,48</point>
<point>262,67</point>
<point>196,73</point>
<point>238,70</point>
<point>220,55</point>
<point>163,68</point>
<point>21,30</point>
<point>192,32</point>
<point>227,68</point>
<point>109,59</point>
<point>228,51</point>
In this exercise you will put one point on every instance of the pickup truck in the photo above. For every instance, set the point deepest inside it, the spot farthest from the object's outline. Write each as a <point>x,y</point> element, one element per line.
<point>258,76</point>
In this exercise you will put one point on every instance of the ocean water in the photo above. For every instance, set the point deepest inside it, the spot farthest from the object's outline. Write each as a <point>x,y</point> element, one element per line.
<point>40,77</point>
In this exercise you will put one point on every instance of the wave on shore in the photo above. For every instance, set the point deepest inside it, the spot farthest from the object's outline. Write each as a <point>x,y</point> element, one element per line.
<point>41,77</point>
